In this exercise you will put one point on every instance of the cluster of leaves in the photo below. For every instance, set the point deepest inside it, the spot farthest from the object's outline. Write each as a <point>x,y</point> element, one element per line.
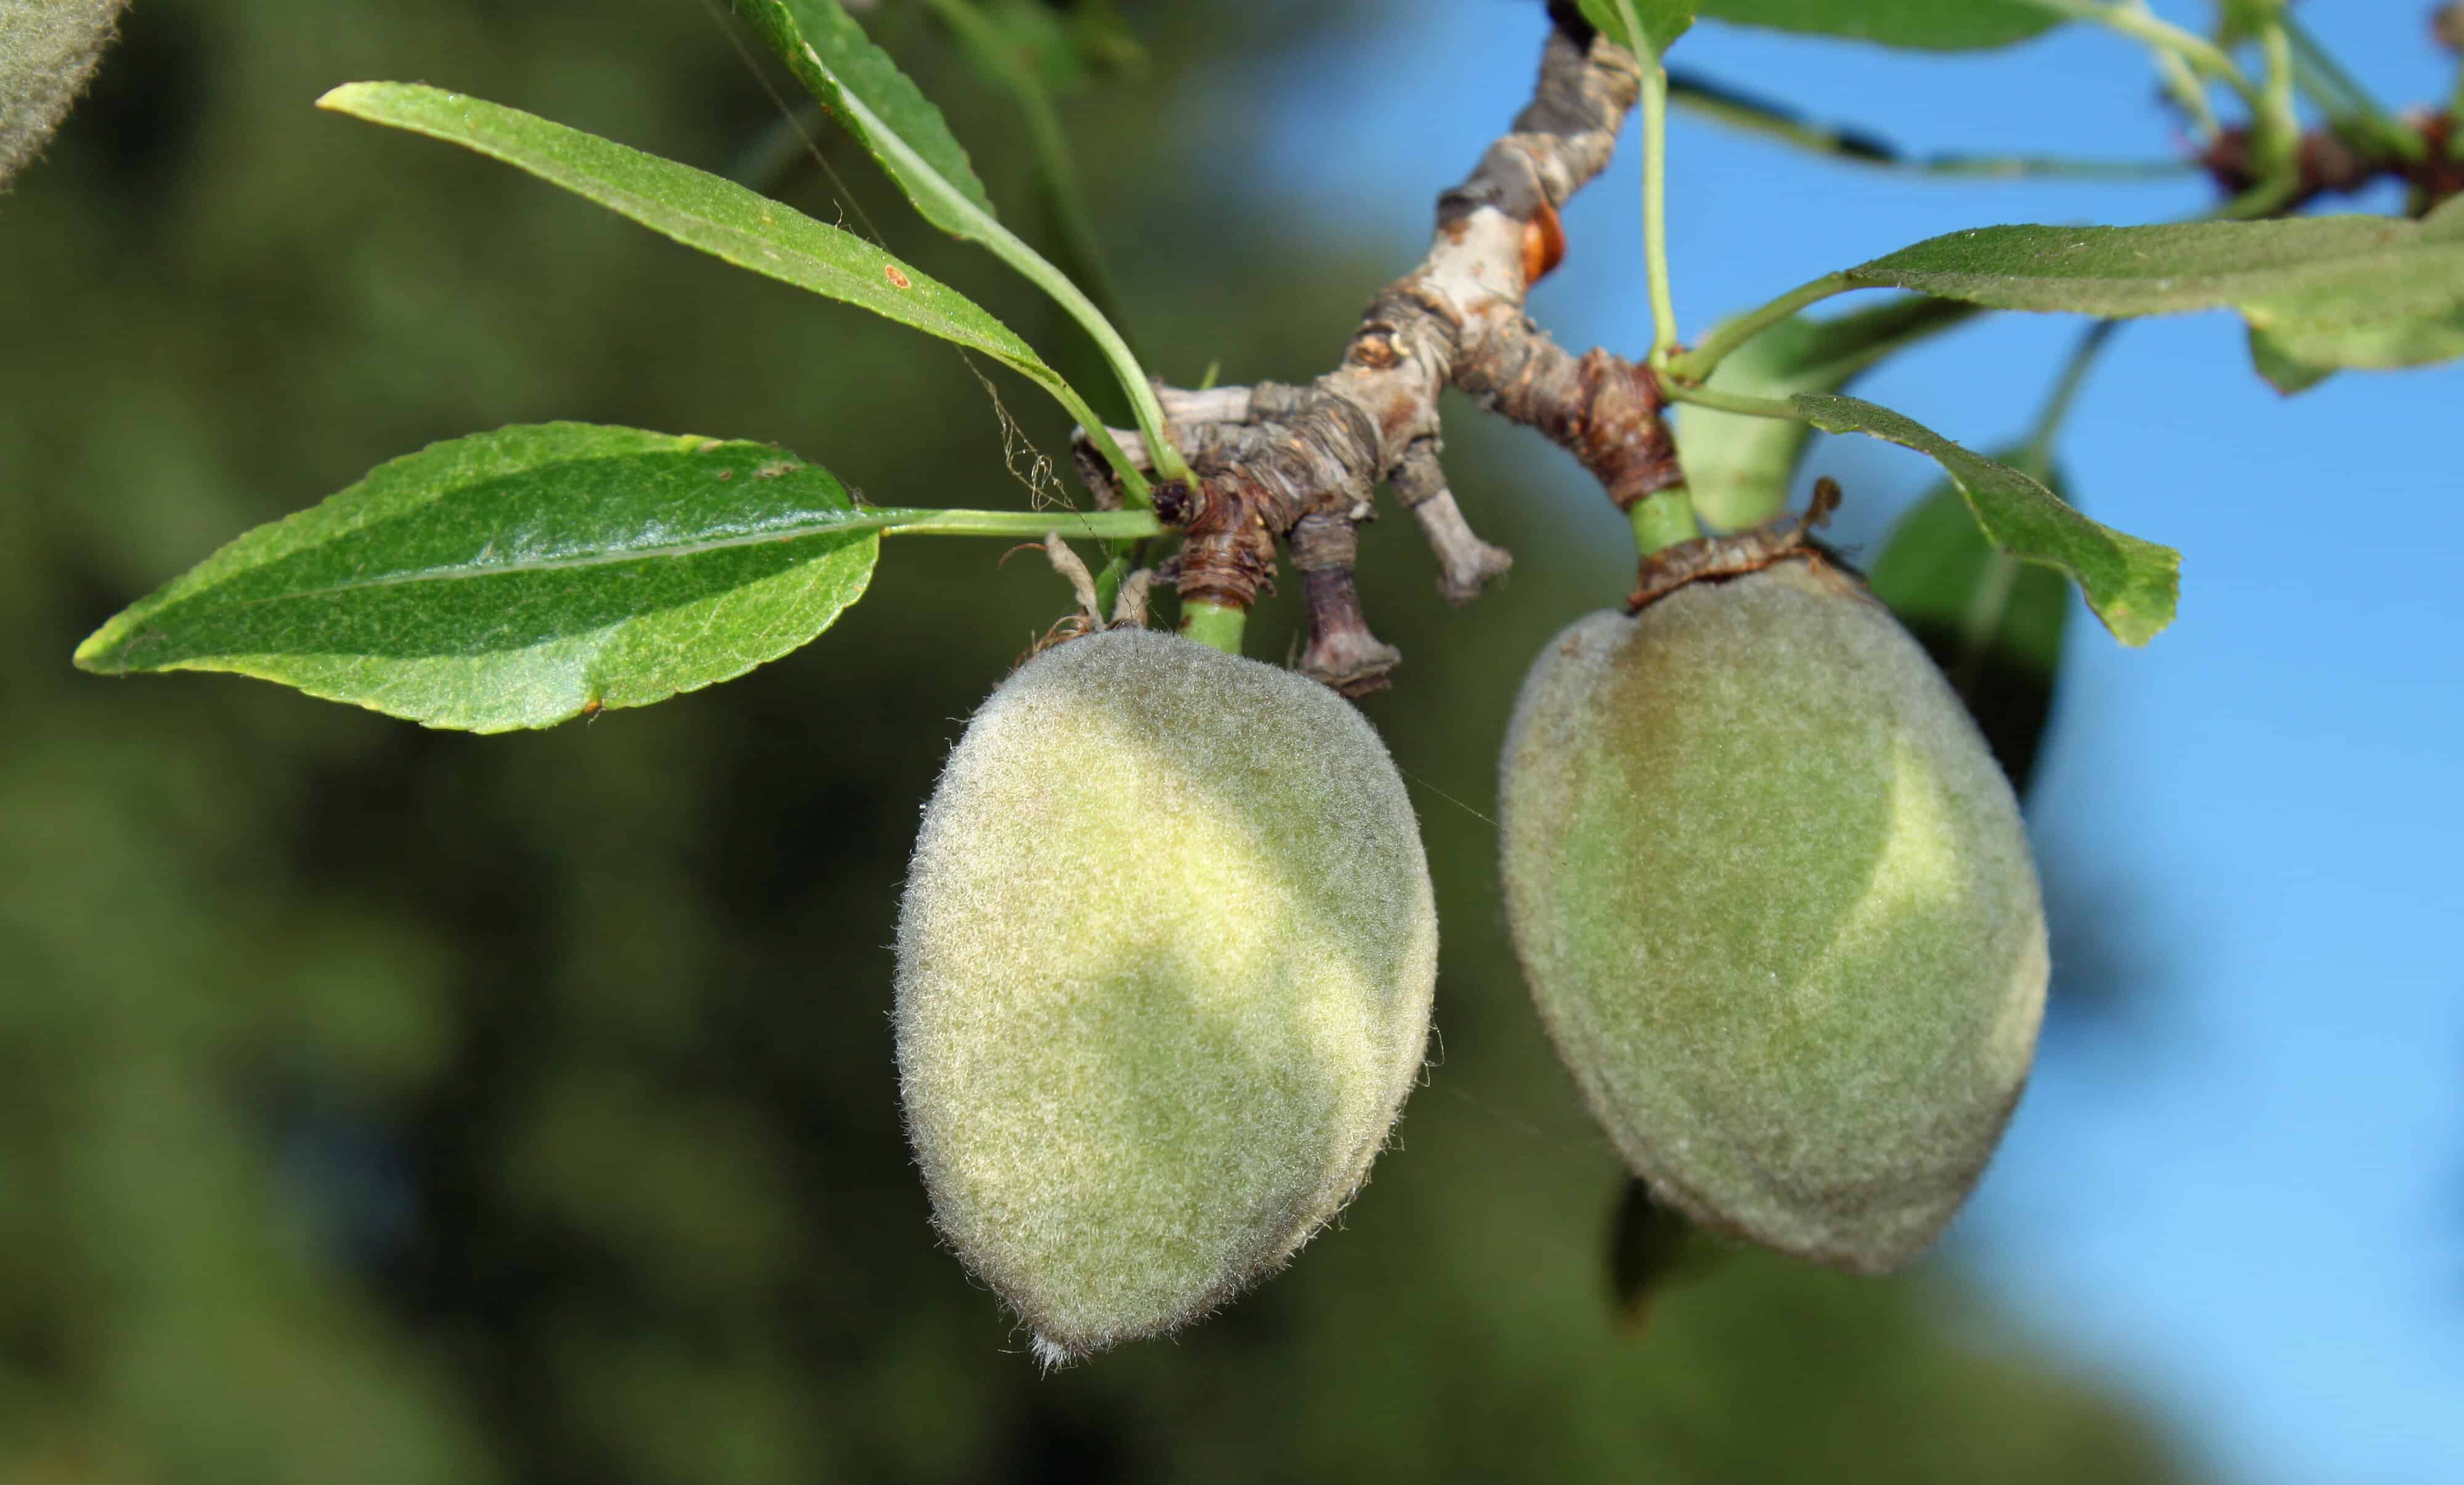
<point>395,1106</point>
<point>525,577</point>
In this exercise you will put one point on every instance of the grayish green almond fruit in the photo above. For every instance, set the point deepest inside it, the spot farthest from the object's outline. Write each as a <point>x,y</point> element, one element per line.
<point>48,49</point>
<point>1777,906</point>
<point>1165,964</point>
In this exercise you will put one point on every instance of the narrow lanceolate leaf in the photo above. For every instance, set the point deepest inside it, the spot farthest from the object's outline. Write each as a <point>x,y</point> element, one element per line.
<point>1933,25</point>
<point>700,211</point>
<point>1662,21</point>
<point>865,90</point>
<point>1007,60</point>
<point>520,578</point>
<point>1992,622</point>
<point>1738,467</point>
<point>2324,292</point>
<point>2131,584</point>
<point>880,105</point>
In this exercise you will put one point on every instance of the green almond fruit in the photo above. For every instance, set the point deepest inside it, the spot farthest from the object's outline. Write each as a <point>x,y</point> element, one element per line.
<point>1775,903</point>
<point>1165,965</point>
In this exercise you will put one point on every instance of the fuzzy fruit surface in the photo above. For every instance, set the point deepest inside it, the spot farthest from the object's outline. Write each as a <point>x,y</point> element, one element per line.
<point>48,49</point>
<point>1165,964</point>
<point>1776,904</point>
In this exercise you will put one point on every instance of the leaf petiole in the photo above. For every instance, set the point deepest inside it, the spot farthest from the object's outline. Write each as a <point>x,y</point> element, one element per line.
<point>1089,525</point>
<point>2144,26</point>
<point>1747,113</point>
<point>2039,447</point>
<point>1693,367</point>
<point>1729,401</point>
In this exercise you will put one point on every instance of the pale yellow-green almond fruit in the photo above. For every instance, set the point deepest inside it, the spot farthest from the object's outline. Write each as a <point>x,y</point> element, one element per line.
<point>1775,903</point>
<point>48,49</point>
<point>1165,964</point>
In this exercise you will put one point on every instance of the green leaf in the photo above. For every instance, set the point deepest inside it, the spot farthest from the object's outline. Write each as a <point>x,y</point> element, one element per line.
<point>2286,372</point>
<point>1933,25</point>
<point>705,211</point>
<point>1064,49</point>
<point>880,105</point>
<point>1002,57</point>
<point>1992,622</point>
<point>1739,467</point>
<point>2326,292</point>
<point>519,579</point>
<point>2131,584</point>
<point>859,84</point>
<point>1662,21</point>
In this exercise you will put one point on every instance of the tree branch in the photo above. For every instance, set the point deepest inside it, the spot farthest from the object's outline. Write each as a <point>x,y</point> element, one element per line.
<point>1300,463</point>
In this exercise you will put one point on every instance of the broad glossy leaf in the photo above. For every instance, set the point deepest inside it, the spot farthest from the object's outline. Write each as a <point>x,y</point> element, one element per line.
<point>2326,291</point>
<point>1933,25</point>
<point>699,210</point>
<point>1662,21</point>
<point>2131,584</point>
<point>1738,467</point>
<point>520,578</point>
<point>1992,622</point>
<point>880,105</point>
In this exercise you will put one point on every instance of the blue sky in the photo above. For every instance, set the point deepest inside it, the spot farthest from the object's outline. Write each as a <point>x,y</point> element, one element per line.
<point>2245,1201</point>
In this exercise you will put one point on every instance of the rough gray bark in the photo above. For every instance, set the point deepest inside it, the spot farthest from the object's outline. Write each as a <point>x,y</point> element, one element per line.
<point>1299,464</point>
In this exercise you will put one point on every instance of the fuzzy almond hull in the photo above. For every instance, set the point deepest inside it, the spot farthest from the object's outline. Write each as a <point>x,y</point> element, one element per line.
<point>1166,960</point>
<point>1776,904</point>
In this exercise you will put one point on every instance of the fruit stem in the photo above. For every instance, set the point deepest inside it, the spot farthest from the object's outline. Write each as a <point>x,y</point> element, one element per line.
<point>1217,625</point>
<point>1662,519</point>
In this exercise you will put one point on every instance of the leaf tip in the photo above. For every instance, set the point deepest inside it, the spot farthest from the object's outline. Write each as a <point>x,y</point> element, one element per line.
<point>100,654</point>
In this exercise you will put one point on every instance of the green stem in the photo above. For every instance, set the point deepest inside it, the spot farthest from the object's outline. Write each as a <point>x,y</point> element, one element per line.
<point>2278,139</point>
<point>2065,392</point>
<point>2185,88</point>
<point>2357,103</point>
<point>1108,583</point>
<point>1655,185</point>
<point>2265,199</point>
<point>1731,401</point>
<point>1217,625</point>
<point>1662,519</point>
<point>1765,120</point>
<point>2202,55</point>
<point>1696,364</point>
<point>1092,525</point>
<point>1039,270</point>
<point>1048,141</point>
<point>1136,492</point>
<point>2455,118</point>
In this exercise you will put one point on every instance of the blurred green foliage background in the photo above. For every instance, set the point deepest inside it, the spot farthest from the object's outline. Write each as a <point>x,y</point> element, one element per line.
<point>385,1105</point>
